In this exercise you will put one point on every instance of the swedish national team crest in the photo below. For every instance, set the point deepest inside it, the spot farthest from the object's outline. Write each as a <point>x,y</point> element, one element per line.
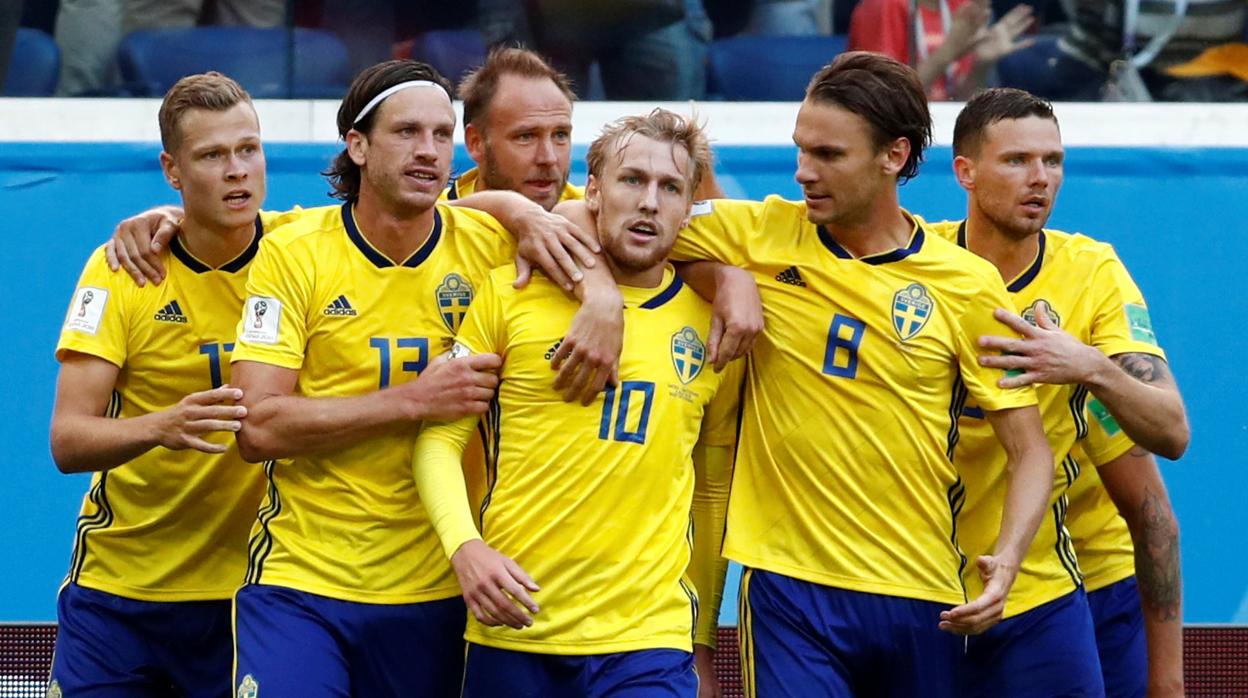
<point>912,308</point>
<point>688,354</point>
<point>454,296</point>
<point>248,688</point>
<point>1041,304</point>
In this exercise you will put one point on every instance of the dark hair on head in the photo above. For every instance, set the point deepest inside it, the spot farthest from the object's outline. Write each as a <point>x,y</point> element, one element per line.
<point>343,173</point>
<point>988,107</point>
<point>661,125</point>
<point>478,87</point>
<point>211,91</point>
<point>884,92</point>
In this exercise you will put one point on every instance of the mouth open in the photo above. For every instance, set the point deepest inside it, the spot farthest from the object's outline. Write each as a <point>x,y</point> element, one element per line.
<point>237,199</point>
<point>645,229</point>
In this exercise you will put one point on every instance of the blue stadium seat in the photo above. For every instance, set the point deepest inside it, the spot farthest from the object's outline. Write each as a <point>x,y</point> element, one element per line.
<point>35,66</point>
<point>768,68</point>
<point>152,60</point>
<point>452,52</point>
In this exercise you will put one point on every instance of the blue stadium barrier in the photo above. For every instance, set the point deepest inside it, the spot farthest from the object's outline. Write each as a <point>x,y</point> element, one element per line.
<point>1176,216</point>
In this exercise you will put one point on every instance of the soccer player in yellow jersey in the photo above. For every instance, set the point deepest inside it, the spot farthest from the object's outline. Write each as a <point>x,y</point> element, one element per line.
<point>594,500</point>
<point>518,129</point>
<point>347,589</point>
<point>1008,156</point>
<point>845,503</point>
<point>144,401</point>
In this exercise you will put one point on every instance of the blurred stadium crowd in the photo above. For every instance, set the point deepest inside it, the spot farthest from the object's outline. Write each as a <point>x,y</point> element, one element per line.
<point>748,50</point>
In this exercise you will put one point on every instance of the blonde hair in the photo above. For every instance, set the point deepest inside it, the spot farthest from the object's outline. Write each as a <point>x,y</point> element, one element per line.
<point>660,125</point>
<point>212,91</point>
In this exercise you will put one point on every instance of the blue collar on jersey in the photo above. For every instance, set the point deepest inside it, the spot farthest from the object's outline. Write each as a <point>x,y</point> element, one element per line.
<point>1028,276</point>
<point>376,257</point>
<point>665,295</point>
<point>236,264</point>
<point>916,243</point>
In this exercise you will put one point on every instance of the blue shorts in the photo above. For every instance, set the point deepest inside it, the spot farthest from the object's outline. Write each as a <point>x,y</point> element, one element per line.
<point>292,644</point>
<point>804,639</point>
<point>1045,652</point>
<point>107,646</point>
<point>495,672</point>
<point>1120,638</point>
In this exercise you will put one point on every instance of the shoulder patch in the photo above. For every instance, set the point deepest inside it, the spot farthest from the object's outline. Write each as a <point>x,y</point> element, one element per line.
<point>262,320</point>
<point>701,208</point>
<point>1140,323</point>
<point>87,310</point>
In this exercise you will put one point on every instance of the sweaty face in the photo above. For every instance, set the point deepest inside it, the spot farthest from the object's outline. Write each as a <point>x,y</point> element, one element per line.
<point>641,201</point>
<point>405,159</point>
<point>526,142</point>
<point>1017,173</point>
<point>839,167</point>
<point>218,166</point>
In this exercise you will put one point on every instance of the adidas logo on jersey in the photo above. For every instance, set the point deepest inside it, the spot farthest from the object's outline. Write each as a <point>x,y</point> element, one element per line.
<point>172,312</point>
<point>792,277</point>
<point>550,353</point>
<point>340,306</point>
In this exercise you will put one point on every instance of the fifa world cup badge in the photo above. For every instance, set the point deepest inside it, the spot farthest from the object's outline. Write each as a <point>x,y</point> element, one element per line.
<point>248,688</point>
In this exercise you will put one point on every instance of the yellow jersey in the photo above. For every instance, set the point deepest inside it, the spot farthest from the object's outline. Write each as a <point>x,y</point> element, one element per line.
<point>1084,288</point>
<point>466,184</point>
<point>1100,534</point>
<point>167,525</point>
<point>347,523</point>
<point>843,474</point>
<point>592,501</point>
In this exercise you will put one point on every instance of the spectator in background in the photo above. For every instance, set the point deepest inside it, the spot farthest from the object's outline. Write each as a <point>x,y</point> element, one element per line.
<point>791,17</point>
<point>88,32</point>
<point>1076,65</point>
<point>637,60</point>
<point>955,45</point>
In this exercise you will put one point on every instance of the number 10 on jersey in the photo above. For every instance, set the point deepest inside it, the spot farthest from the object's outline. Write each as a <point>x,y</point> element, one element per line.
<point>617,404</point>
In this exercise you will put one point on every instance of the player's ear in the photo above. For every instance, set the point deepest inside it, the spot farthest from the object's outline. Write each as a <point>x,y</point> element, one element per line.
<point>474,142</point>
<point>894,156</point>
<point>593,195</point>
<point>169,168</point>
<point>964,171</point>
<point>357,147</point>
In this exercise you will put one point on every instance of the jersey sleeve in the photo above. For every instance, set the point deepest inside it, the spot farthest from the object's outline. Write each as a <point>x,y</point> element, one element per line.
<point>270,220</point>
<point>719,231</point>
<point>490,243</point>
<point>1105,440</point>
<point>976,321</point>
<point>274,326</point>
<point>712,467</point>
<point>436,463</point>
<point>1122,324</point>
<point>97,322</point>
<point>483,330</point>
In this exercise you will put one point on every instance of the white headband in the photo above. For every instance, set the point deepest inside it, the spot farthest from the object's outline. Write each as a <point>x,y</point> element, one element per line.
<point>372,103</point>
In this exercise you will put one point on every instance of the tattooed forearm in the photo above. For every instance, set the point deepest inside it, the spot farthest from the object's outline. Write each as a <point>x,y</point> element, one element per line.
<point>1157,558</point>
<point>1143,367</point>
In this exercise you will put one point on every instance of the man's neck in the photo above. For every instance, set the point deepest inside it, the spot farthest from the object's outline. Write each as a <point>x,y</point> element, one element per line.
<point>1008,253</point>
<point>883,228</point>
<point>395,234</point>
<point>215,246</point>
<point>649,278</point>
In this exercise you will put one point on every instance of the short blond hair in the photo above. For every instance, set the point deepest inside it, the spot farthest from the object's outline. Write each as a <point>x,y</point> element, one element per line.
<point>661,125</point>
<point>212,91</point>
